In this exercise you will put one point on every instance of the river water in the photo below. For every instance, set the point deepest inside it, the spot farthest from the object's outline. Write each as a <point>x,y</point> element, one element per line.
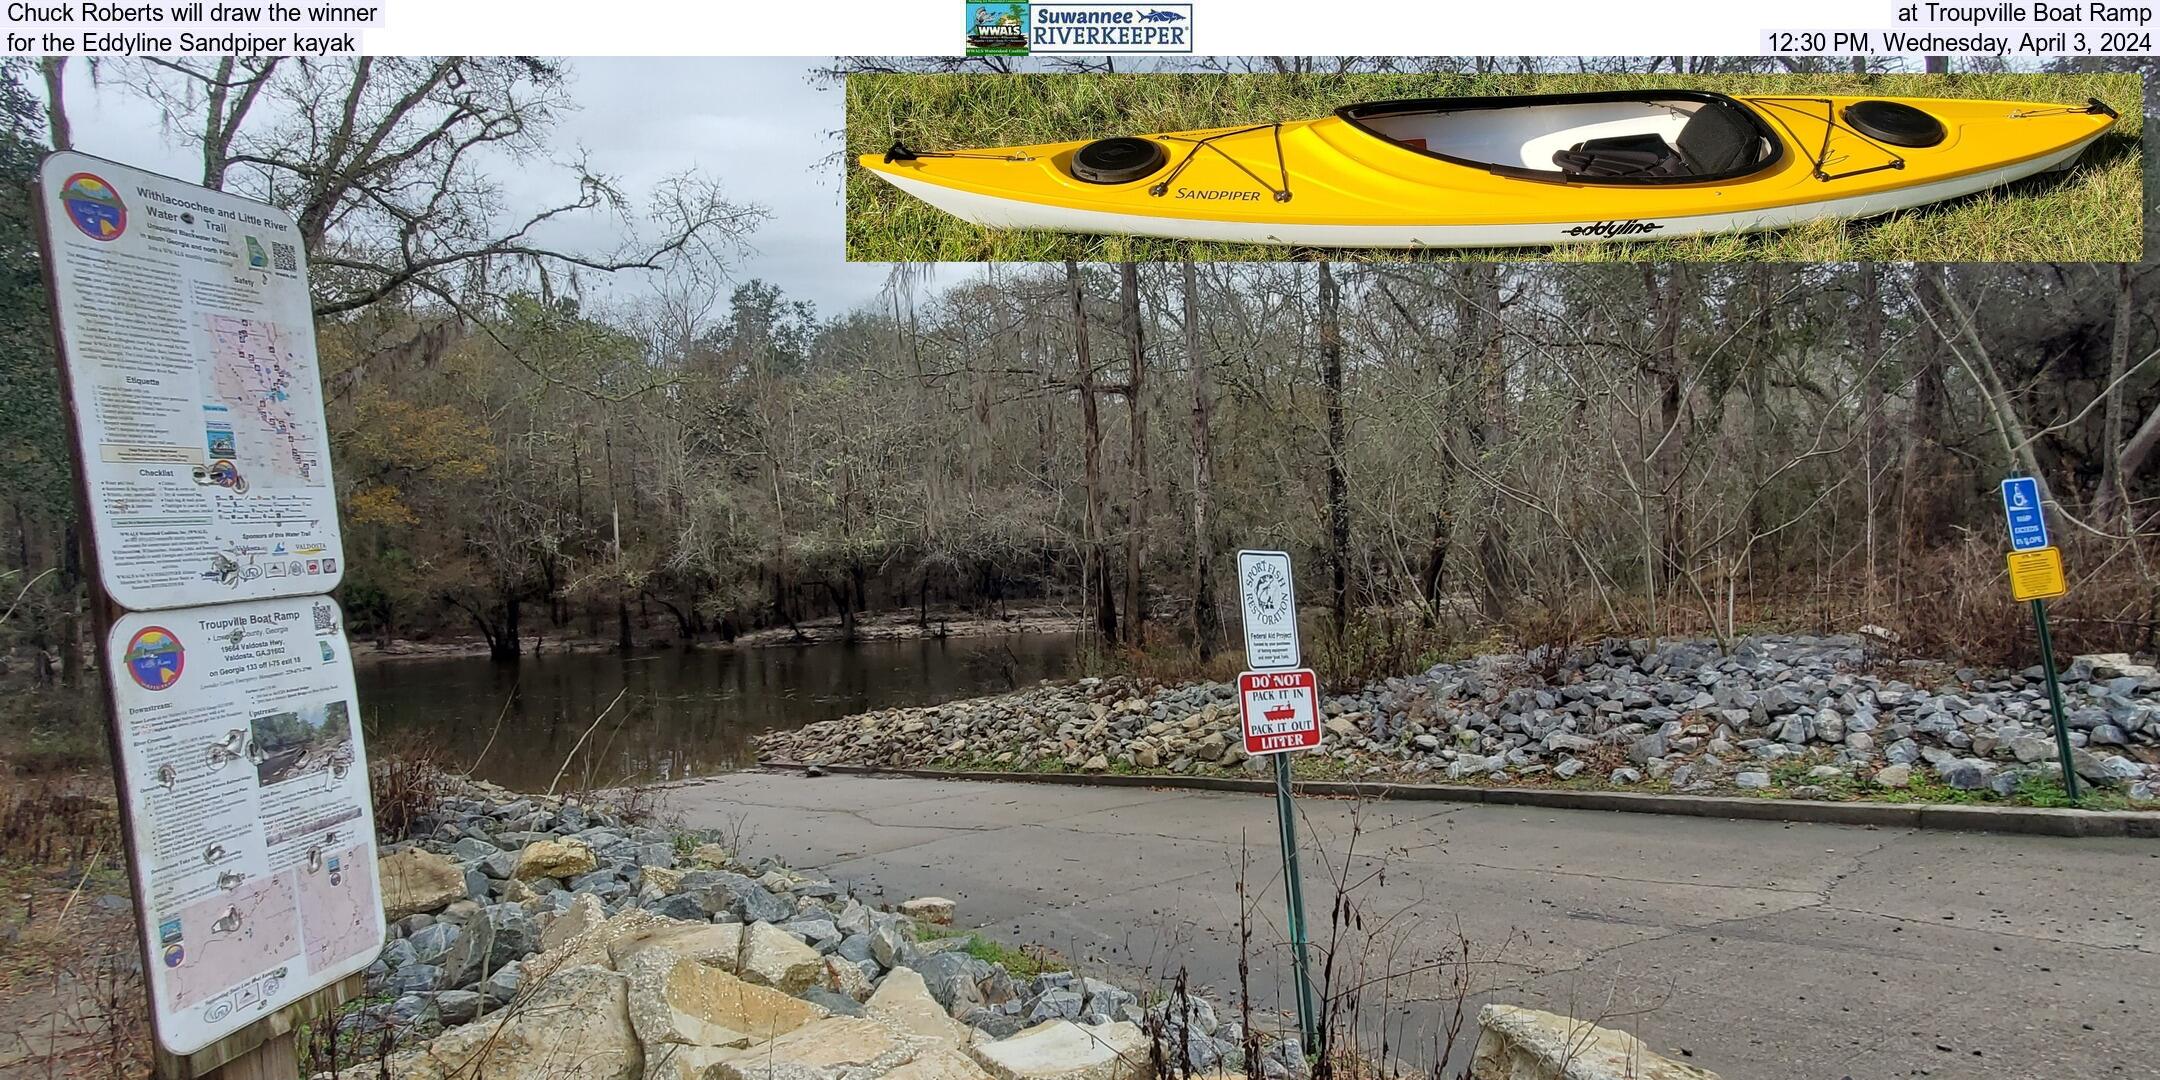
<point>685,712</point>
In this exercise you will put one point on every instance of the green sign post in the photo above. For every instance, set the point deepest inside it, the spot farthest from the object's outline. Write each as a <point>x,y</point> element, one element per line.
<point>1294,892</point>
<point>2055,705</point>
<point>1279,707</point>
<point>2036,575</point>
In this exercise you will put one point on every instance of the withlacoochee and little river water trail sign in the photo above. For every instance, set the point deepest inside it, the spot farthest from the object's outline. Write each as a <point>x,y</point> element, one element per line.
<point>187,348</point>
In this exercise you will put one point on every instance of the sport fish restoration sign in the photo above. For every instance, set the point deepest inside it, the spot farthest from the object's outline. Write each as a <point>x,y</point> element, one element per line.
<point>1267,596</point>
<point>1281,710</point>
<point>187,349</point>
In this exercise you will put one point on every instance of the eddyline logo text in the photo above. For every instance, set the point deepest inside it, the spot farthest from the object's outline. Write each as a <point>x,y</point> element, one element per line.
<point>1054,29</point>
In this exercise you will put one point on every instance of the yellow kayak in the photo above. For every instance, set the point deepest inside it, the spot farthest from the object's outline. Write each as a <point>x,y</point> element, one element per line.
<point>1506,171</point>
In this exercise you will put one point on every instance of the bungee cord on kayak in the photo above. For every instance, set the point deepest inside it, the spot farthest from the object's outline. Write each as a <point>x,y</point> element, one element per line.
<point>1281,194</point>
<point>900,151</point>
<point>1820,158</point>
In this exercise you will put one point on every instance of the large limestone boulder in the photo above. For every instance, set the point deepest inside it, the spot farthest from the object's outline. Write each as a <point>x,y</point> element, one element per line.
<point>945,1064</point>
<point>1526,1044</point>
<point>680,1062</point>
<point>573,1025</point>
<point>659,880</point>
<point>593,946</point>
<point>773,957</point>
<point>556,859</point>
<point>585,913</point>
<point>677,998</point>
<point>844,976</point>
<point>840,1048</point>
<point>903,998</point>
<point>715,944</point>
<point>416,882</point>
<point>1063,1050</point>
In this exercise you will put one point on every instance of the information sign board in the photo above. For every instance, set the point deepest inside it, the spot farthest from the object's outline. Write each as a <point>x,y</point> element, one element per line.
<point>187,348</point>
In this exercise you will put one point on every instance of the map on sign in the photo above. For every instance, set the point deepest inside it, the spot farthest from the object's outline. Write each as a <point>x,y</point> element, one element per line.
<point>187,347</point>
<point>268,414</point>
<point>252,838</point>
<point>1267,594</point>
<point>224,938</point>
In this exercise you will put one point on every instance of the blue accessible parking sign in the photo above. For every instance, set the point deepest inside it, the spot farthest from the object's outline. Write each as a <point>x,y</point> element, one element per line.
<point>2021,508</point>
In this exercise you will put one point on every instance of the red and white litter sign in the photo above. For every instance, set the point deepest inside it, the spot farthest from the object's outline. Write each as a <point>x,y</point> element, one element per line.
<point>1281,710</point>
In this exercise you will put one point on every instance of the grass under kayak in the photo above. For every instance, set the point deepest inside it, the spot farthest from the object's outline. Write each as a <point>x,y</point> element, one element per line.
<point>2093,213</point>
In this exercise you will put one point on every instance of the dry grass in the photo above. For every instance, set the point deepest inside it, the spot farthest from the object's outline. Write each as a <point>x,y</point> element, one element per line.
<point>406,781</point>
<point>71,991</point>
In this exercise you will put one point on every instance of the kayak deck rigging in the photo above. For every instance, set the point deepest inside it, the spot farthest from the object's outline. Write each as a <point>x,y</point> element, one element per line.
<point>1208,142</point>
<point>1820,158</point>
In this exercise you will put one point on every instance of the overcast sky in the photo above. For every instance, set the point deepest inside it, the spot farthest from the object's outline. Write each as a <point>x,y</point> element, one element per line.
<point>759,125</point>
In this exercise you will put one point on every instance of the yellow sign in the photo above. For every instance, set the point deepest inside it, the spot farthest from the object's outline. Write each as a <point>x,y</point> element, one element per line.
<point>2037,574</point>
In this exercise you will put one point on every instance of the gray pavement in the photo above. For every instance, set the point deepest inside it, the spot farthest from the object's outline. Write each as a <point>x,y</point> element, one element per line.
<point>1760,950</point>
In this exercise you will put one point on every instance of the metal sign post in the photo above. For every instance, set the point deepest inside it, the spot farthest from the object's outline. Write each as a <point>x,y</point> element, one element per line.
<point>2036,576</point>
<point>1279,703</point>
<point>186,348</point>
<point>1294,895</point>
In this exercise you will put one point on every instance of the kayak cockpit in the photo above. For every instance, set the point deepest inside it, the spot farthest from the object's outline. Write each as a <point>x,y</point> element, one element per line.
<point>1626,137</point>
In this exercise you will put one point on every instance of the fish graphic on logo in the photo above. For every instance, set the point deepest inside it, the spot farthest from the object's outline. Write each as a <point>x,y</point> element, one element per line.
<point>93,206</point>
<point>154,658</point>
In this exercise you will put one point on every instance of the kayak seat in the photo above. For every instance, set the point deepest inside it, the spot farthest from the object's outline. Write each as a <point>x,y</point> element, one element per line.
<point>1720,140</point>
<point>1717,140</point>
<point>1620,155</point>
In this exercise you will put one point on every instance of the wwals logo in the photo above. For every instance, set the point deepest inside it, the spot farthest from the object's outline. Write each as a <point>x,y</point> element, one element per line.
<point>1047,27</point>
<point>997,29</point>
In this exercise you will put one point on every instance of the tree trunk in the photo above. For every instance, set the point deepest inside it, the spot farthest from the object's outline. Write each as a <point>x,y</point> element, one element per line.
<point>507,643</point>
<point>1136,403</point>
<point>1095,566</point>
<point>54,69</point>
<point>1669,457</point>
<point>1924,505</point>
<point>1338,489</point>
<point>1481,309</point>
<point>1875,429</point>
<point>2114,494</point>
<point>2017,448</point>
<point>1207,622</point>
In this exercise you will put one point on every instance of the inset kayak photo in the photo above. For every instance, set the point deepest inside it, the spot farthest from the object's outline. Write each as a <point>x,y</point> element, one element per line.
<point>1964,168</point>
